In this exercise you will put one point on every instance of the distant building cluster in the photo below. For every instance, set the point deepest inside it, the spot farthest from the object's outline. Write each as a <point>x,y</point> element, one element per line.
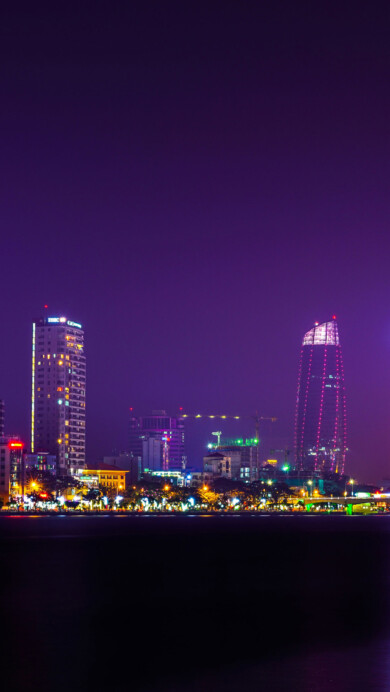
<point>156,442</point>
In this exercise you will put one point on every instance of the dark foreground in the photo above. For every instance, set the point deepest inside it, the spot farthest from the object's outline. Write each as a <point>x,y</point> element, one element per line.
<point>195,603</point>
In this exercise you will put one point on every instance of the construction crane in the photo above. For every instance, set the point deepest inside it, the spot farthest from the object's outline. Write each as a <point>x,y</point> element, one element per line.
<point>256,417</point>
<point>218,436</point>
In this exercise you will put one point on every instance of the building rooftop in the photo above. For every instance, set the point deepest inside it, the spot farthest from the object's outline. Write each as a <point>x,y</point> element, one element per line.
<point>325,334</point>
<point>101,466</point>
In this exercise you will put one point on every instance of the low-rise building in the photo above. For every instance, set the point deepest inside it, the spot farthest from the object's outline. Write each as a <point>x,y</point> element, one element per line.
<point>177,478</point>
<point>41,461</point>
<point>11,469</point>
<point>89,479</point>
<point>244,455</point>
<point>218,464</point>
<point>199,478</point>
<point>110,477</point>
<point>127,462</point>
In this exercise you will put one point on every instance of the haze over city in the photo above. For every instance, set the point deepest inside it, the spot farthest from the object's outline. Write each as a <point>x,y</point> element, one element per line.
<point>197,208</point>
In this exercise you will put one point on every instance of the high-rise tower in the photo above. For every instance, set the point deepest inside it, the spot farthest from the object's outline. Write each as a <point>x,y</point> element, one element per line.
<point>58,392</point>
<point>158,440</point>
<point>320,422</point>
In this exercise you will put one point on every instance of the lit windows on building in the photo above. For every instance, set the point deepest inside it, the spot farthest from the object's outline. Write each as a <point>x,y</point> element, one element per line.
<point>109,477</point>
<point>217,464</point>
<point>55,387</point>
<point>320,422</point>
<point>12,474</point>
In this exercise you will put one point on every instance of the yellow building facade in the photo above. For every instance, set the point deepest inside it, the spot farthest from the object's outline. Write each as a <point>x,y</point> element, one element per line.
<point>110,477</point>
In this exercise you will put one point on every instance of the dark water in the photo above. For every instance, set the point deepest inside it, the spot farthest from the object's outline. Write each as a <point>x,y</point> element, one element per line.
<point>195,603</point>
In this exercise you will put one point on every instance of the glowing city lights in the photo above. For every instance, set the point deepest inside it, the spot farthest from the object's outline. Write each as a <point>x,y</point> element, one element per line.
<point>320,419</point>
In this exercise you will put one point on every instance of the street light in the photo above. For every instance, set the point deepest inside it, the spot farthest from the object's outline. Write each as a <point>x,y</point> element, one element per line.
<point>310,483</point>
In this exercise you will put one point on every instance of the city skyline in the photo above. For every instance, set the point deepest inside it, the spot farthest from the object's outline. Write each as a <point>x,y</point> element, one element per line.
<point>194,204</point>
<point>323,335</point>
<point>198,208</point>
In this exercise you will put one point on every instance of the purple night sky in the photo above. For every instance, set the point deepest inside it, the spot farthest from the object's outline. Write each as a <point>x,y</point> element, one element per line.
<point>197,186</point>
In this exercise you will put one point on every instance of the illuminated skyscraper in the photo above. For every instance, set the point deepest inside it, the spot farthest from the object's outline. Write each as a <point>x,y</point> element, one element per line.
<point>320,423</point>
<point>58,392</point>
